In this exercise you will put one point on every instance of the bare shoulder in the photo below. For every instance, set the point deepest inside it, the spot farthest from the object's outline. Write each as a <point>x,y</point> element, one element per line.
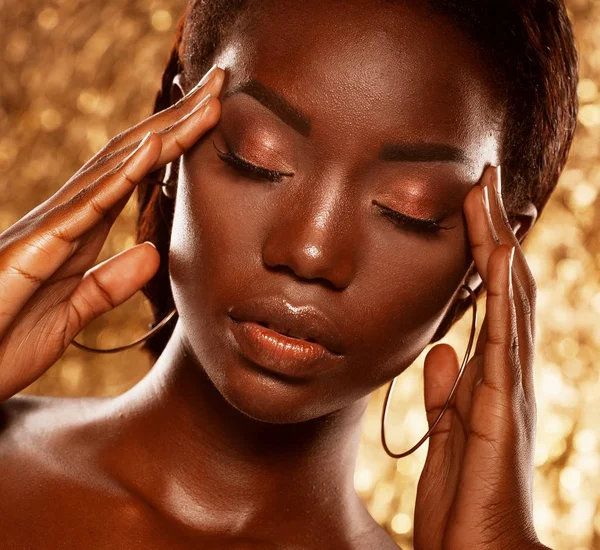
<point>54,470</point>
<point>40,440</point>
<point>24,418</point>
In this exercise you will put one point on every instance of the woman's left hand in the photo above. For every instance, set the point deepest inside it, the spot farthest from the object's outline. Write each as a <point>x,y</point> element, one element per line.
<point>475,491</point>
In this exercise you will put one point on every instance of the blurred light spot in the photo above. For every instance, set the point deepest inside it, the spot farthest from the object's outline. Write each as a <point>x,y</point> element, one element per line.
<point>587,90</point>
<point>17,46</point>
<point>363,480</point>
<point>589,115</point>
<point>384,493</point>
<point>569,270</point>
<point>568,347</point>
<point>570,177</point>
<point>552,384</point>
<point>8,154</point>
<point>541,454</point>
<point>401,524</point>
<point>570,478</point>
<point>162,20</point>
<point>96,136</point>
<point>543,515</point>
<point>87,101</point>
<point>585,441</point>
<point>50,119</point>
<point>558,449</point>
<point>48,19</point>
<point>583,196</point>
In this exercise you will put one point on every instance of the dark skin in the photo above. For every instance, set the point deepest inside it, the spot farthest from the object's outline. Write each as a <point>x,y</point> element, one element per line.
<point>208,451</point>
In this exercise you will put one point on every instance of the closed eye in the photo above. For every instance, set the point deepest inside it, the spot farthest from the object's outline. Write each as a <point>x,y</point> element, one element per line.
<point>252,170</point>
<point>419,224</point>
<point>249,169</point>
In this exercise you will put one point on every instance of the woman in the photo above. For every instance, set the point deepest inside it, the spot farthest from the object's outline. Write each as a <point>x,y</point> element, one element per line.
<point>333,180</point>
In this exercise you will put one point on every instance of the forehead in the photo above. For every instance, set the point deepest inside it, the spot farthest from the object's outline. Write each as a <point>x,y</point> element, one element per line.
<point>367,69</point>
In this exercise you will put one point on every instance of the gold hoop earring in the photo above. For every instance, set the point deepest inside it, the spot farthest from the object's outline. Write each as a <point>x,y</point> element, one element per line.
<point>456,382</point>
<point>168,189</point>
<point>134,343</point>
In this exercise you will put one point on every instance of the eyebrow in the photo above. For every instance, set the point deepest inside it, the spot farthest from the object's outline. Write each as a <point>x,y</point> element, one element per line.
<point>296,119</point>
<point>274,102</point>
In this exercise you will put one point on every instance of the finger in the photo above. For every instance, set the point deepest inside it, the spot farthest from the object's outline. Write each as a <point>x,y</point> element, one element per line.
<point>177,137</point>
<point>441,471</point>
<point>439,374</point>
<point>164,123</point>
<point>109,284</point>
<point>488,227</point>
<point>71,220</point>
<point>523,283</point>
<point>175,140</point>
<point>211,83</point>
<point>523,280</point>
<point>441,370</point>
<point>501,364</point>
<point>28,262</point>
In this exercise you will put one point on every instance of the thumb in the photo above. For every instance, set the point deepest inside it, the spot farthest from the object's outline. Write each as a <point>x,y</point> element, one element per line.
<point>440,475</point>
<point>109,284</point>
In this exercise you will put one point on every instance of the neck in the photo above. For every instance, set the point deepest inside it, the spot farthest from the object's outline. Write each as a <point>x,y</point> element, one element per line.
<point>199,455</point>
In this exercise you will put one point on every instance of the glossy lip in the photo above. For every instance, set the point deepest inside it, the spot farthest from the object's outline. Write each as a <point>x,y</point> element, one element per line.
<point>301,321</point>
<point>286,355</point>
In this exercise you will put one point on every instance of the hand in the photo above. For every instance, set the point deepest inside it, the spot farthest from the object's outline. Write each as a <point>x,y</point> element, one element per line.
<point>49,288</point>
<point>475,491</point>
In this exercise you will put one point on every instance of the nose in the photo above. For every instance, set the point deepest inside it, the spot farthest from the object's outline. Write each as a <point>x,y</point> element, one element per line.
<point>313,239</point>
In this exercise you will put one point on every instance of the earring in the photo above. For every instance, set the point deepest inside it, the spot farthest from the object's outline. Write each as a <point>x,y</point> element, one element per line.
<point>169,189</point>
<point>456,382</point>
<point>169,186</point>
<point>134,343</point>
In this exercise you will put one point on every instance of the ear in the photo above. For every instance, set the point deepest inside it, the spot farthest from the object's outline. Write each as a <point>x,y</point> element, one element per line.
<point>521,222</point>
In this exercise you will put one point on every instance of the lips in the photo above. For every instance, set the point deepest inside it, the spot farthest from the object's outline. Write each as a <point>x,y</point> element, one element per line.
<point>304,322</point>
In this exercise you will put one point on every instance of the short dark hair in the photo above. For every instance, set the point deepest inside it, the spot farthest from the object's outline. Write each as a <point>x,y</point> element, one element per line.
<point>530,47</point>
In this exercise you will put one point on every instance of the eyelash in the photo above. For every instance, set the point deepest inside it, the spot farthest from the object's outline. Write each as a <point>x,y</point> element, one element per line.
<point>249,168</point>
<point>420,225</point>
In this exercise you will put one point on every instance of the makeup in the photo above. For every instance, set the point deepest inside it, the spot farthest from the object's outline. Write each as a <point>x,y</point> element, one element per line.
<point>280,353</point>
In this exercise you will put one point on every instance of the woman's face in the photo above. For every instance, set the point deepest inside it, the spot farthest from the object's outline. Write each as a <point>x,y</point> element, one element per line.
<point>395,114</point>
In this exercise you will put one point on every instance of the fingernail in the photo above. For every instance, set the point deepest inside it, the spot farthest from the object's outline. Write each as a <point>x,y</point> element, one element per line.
<point>146,138</point>
<point>499,180</point>
<point>486,203</point>
<point>201,104</point>
<point>141,144</point>
<point>510,273</point>
<point>486,199</point>
<point>210,73</point>
<point>497,183</point>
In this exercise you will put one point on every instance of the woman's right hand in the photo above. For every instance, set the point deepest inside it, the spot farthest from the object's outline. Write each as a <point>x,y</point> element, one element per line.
<point>49,287</point>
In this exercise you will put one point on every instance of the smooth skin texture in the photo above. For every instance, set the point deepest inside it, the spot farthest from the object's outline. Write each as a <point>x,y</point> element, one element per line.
<point>208,451</point>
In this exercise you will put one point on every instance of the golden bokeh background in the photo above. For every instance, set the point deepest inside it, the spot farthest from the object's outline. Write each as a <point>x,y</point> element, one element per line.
<point>76,73</point>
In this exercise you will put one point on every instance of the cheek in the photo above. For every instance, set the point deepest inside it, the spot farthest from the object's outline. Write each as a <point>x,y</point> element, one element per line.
<point>212,244</point>
<point>403,298</point>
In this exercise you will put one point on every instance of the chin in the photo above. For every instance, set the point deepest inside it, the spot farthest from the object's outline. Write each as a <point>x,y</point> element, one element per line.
<point>269,397</point>
<point>258,392</point>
